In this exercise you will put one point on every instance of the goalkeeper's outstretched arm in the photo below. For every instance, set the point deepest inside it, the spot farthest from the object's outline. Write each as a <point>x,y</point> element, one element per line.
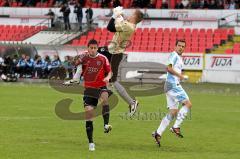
<point>111,25</point>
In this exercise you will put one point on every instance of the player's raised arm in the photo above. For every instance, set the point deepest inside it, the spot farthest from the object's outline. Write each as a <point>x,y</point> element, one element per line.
<point>116,18</point>
<point>111,25</point>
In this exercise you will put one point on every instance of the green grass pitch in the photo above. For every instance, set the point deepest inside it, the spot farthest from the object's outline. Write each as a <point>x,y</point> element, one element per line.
<point>29,128</point>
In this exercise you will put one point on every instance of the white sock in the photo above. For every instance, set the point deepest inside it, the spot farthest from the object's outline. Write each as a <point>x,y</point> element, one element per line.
<point>77,75</point>
<point>164,124</point>
<point>181,116</point>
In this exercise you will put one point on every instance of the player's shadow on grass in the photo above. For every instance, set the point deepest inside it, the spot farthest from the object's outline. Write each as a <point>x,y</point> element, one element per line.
<point>62,108</point>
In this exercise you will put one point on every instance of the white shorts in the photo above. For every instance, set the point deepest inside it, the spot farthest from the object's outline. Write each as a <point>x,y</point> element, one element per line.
<point>175,96</point>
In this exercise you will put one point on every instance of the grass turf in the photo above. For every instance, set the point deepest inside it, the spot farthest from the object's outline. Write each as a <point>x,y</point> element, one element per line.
<point>29,128</point>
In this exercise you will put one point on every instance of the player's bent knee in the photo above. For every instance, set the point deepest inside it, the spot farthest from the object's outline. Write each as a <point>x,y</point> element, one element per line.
<point>105,102</point>
<point>173,112</point>
<point>89,113</point>
<point>188,104</point>
<point>104,98</point>
<point>170,116</point>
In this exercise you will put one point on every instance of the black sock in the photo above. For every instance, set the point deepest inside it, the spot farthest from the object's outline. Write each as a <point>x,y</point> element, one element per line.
<point>89,130</point>
<point>105,114</point>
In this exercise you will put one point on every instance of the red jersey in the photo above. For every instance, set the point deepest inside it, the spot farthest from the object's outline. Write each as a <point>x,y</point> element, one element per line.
<point>94,69</point>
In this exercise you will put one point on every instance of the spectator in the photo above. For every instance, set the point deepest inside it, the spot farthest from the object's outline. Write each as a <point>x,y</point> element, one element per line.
<point>6,65</point>
<point>66,11</point>
<point>164,4</point>
<point>220,4</point>
<point>237,4</point>
<point>79,13</point>
<point>212,5</point>
<point>203,4</point>
<point>179,5</point>
<point>89,15</point>
<point>105,3</point>
<point>21,65</point>
<point>145,3</point>
<point>145,14</point>
<point>53,69</point>
<point>82,2</point>
<point>56,62</point>
<point>232,5</point>
<point>31,3</point>
<point>47,63</point>
<point>15,62</point>
<point>1,65</point>
<point>194,4</point>
<point>137,4</point>
<point>58,3</point>
<point>52,17</point>
<point>6,3</point>
<point>116,3</point>
<point>68,67</point>
<point>72,2</point>
<point>185,3</point>
<point>29,66</point>
<point>152,4</point>
<point>38,67</point>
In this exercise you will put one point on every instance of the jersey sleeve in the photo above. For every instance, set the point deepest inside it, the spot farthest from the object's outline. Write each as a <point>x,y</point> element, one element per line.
<point>107,66</point>
<point>111,25</point>
<point>171,59</point>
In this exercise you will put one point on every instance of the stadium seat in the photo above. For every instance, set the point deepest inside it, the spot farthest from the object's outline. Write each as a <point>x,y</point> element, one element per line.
<point>228,51</point>
<point>18,32</point>
<point>163,39</point>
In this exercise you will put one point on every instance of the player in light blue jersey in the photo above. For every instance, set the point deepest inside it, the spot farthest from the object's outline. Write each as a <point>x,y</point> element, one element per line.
<point>175,94</point>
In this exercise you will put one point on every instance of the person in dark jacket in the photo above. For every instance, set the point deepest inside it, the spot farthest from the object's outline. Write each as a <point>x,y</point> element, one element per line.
<point>116,3</point>
<point>79,13</point>
<point>52,17</point>
<point>89,15</point>
<point>66,11</point>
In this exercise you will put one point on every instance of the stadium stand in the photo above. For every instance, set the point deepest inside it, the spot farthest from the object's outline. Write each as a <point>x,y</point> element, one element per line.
<point>28,3</point>
<point>158,4</point>
<point>234,50</point>
<point>51,37</point>
<point>163,39</point>
<point>18,32</point>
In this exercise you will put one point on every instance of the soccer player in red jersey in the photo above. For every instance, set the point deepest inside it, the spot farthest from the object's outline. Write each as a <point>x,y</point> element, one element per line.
<point>96,71</point>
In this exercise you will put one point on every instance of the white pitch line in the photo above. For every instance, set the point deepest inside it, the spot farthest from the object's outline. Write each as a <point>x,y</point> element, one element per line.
<point>23,118</point>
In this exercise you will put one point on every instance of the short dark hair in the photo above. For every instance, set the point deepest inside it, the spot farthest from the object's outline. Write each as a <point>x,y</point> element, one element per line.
<point>180,40</point>
<point>92,41</point>
<point>139,15</point>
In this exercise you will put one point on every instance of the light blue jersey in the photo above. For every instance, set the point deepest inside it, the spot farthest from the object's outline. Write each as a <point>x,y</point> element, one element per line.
<point>174,91</point>
<point>177,64</point>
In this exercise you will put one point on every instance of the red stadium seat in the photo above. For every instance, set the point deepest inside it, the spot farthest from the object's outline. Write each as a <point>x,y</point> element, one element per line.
<point>228,51</point>
<point>17,32</point>
<point>231,32</point>
<point>163,39</point>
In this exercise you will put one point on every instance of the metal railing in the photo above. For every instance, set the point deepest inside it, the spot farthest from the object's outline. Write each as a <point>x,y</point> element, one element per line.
<point>236,19</point>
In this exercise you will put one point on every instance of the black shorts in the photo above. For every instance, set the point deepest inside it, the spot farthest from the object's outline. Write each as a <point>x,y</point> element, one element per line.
<point>91,95</point>
<point>115,62</point>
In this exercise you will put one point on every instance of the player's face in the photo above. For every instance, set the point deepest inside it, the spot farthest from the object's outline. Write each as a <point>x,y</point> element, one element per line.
<point>132,18</point>
<point>180,47</point>
<point>92,49</point>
